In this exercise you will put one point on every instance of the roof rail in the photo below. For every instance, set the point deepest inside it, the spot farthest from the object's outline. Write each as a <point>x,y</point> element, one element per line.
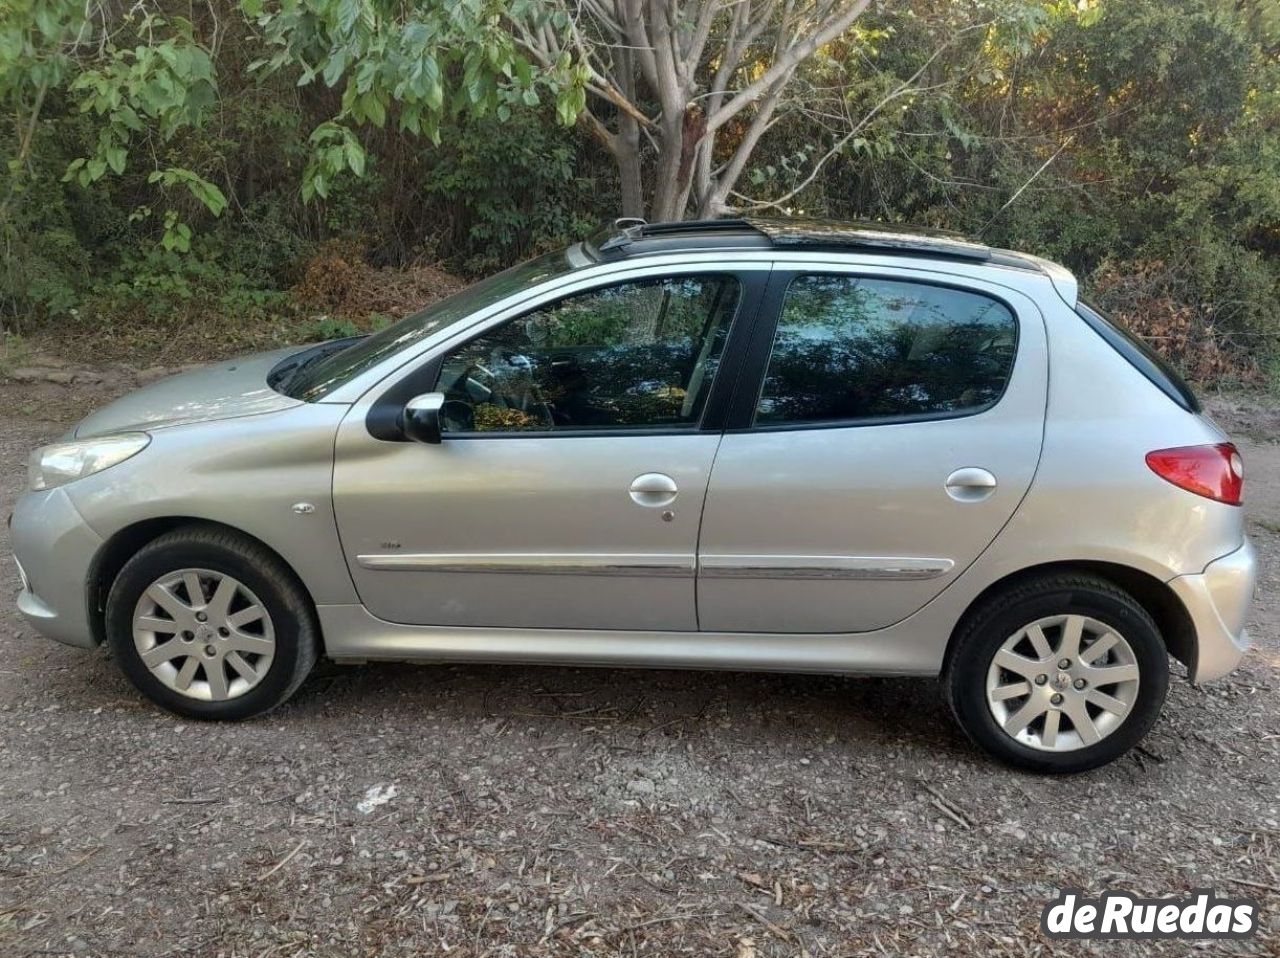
<point>869,235</point>
<point>633,228</point>
<point>633,237</point>
<point>694,226</point>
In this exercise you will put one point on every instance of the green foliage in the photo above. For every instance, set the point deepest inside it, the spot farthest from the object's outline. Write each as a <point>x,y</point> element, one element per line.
<point>155,281</point>
<point>34,36</point>
<point>182,165</point>
<point>336,150</point>
<point>509,189</point>
<point>13,353</point>
<point>1132,134</point>
<point>422,64</point>
<point>160,86</point>
<point>177,234</point>
<point>330,327</point>
<point>146,92</point>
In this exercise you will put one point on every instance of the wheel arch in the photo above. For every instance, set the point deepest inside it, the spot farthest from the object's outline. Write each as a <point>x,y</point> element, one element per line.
<point>1156,597</point>
<point>124,544</point>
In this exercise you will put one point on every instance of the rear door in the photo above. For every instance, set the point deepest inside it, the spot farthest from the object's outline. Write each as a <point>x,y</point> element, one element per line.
<point>888,424</point>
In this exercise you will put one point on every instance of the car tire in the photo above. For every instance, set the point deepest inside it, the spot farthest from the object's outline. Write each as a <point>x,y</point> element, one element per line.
<point>261,661</point>
<point>1019,625</point>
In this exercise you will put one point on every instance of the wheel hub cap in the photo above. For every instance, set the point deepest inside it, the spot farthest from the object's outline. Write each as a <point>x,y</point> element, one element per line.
<point>203,634</point>
<point>1062,683</point>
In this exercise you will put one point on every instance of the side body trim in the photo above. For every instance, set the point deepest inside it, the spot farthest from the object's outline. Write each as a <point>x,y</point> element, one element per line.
<point>665,565</point>
<point>530,563</point>
<point>821,567</point>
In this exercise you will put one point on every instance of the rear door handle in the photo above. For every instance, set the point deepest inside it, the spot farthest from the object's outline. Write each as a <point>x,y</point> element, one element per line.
<point>970,484</point>
<point>654,489</point>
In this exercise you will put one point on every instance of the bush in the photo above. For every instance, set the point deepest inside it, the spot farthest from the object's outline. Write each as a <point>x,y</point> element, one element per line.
<point>1157,122</point>
<point>1150,299</point>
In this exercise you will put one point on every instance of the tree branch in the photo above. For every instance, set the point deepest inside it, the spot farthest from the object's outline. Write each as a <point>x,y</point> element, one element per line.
<point>1034,176</point>
<point>713,204</point>
<point>794,55</point>
<point>905,87</point>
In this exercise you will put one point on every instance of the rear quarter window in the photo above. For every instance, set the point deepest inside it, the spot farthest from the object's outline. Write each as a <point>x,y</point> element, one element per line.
<point>1141,356</point>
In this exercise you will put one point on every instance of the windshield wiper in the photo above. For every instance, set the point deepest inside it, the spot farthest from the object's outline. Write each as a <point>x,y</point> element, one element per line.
<point>284,373</point>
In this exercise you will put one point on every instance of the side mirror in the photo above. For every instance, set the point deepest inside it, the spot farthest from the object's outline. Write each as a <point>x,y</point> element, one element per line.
<point>420,420</point>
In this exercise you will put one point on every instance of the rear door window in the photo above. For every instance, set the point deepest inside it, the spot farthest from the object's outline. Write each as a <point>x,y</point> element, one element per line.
<point>854,349</point>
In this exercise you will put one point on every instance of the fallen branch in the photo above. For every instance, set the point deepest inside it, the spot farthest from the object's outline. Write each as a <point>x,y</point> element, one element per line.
<point>775,930</point>
<point>947,807</point>
<point>1255,884</point>
<point>282,862</point>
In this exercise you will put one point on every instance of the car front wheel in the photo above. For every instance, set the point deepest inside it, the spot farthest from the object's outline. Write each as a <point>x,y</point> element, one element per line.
<point>209,624</point>
<point>1060,674</point>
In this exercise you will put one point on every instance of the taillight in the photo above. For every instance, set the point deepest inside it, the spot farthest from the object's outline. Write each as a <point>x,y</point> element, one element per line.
<point>1215,472</point>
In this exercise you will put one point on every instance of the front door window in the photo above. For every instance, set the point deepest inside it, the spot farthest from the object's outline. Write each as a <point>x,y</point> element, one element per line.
<point>637,355</point>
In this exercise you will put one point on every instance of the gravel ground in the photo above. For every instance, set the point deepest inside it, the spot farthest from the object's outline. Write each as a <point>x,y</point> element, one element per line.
<point>399,810</point>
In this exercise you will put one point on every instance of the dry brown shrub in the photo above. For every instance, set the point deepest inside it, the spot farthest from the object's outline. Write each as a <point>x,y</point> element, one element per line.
<point>489,417</point>
<point>338,280</point>
<point>1145,297</point>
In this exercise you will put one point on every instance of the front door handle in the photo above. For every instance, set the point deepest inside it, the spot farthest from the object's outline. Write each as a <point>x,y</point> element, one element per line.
<point>970,484</point>
<point>654,489</point>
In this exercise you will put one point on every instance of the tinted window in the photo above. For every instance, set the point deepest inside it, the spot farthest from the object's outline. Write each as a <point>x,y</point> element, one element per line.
<point>636,355</point>
<point>854,348</point>
<point>1141,356</point>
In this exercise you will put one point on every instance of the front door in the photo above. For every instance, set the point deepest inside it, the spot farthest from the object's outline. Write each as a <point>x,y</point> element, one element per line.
<point>569,485</point>
<point>891,426</point>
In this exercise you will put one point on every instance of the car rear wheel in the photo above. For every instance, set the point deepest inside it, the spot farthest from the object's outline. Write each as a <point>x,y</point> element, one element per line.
<point>209,624</point>
<point>1059,674</point>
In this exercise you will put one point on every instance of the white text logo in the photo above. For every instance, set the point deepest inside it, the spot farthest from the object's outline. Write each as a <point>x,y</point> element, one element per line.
<point>1118,914</point>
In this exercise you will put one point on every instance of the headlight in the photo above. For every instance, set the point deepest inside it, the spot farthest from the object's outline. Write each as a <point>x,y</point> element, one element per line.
<point>51,466</point>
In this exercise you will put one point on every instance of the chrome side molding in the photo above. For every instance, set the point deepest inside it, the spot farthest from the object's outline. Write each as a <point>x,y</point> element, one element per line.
<point>530,563</point>
<point>821,567</point>
<point>665,565</point>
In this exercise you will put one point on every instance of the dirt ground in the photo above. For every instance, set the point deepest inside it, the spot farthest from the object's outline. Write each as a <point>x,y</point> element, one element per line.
<point>398,810</point>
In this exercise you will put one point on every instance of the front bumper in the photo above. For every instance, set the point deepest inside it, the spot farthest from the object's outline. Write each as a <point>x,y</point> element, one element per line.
<point>55,548</point>
<point>1218,601</point>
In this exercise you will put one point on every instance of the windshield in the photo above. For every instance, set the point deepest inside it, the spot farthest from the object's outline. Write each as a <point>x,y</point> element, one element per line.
<point>313,380</point>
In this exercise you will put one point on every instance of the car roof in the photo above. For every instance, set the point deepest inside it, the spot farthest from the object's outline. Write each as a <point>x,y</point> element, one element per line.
<point>627,238</point>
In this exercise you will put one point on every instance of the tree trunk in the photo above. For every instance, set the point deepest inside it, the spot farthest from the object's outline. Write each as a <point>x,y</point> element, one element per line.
<point>626,143</point>
<point>626,153</point>
<point>666,186</point>
<point>678,71</point>
<point>681,138</point>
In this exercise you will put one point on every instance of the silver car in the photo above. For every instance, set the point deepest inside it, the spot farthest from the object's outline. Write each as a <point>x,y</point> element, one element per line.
<point>743,444</point>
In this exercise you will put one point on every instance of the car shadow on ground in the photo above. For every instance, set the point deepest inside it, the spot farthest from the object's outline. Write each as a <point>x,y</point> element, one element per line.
<point>643,702</point>
<point>787,711</point>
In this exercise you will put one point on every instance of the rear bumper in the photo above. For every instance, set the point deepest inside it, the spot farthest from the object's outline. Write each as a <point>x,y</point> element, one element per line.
<point>54,547</point>
<point>1218,601</point>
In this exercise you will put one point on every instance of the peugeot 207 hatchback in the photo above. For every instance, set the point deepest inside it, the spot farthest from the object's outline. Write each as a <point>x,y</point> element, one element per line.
<point>741,444</point>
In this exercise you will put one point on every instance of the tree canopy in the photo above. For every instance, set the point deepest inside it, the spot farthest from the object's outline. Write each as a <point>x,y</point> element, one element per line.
<point>172,159</point>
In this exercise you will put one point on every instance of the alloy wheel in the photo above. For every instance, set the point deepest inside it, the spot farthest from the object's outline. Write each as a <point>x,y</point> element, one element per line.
<point>203,634</point>
<point>1062,683</point>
